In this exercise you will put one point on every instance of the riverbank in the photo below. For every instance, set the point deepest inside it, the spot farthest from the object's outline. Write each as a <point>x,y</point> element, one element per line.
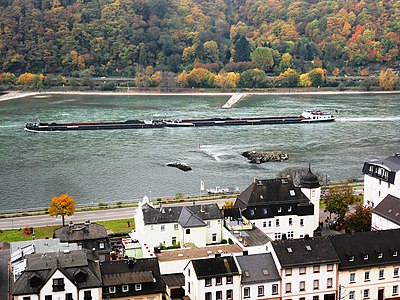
<point>309,91</point>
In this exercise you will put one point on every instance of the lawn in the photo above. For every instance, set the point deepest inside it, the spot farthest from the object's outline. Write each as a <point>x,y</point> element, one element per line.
<point>47,231</point>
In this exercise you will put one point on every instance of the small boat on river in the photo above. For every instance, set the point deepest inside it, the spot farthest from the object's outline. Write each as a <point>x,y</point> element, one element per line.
<point>305,117</point>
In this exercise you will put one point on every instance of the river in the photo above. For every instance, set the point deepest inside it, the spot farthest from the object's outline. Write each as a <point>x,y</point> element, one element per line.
<point>120,165</point>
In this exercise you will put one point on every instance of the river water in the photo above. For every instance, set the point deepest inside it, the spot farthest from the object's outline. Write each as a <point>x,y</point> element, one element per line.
<point>103,166</point>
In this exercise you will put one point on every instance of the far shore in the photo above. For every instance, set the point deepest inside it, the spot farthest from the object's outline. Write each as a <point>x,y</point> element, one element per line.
<point>22,94</point>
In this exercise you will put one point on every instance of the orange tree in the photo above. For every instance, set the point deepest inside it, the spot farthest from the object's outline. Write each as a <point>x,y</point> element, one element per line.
<point>63,205</point>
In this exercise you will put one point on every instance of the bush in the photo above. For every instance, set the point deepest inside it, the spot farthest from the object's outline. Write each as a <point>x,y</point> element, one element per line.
<point>109,86</point>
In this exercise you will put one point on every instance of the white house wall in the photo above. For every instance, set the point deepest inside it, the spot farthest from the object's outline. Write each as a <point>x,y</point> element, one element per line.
<point>375,189</point>
<point>196,236</point>
<point>267,291</point>
<point>379,223</point>
<point>47,289</point>
<point>373,284</point>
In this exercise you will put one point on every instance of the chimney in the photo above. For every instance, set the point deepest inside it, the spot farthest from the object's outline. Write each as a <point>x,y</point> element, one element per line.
<point>217,255</point>
<point>131,263</point>
<point>245,252</point>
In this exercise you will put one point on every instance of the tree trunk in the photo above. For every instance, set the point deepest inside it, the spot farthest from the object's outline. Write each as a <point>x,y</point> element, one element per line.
<point>63,220</point>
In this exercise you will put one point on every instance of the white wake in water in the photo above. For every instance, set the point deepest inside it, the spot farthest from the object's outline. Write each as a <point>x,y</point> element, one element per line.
<point>211,152</point>
<point>369,119</point>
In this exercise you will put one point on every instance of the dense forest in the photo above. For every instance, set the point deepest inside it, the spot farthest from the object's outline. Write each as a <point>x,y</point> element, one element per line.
<point>121,37</point>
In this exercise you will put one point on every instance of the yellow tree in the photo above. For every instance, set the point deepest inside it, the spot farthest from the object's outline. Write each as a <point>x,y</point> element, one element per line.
<point>388,79</point>
<point>63,205</point>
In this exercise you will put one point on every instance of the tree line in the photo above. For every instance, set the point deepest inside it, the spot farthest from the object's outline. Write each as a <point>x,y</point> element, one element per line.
<point>253,38</point>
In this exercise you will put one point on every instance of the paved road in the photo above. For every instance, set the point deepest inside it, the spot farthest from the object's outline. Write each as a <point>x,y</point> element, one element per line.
<point>4,259</point>
<point>80,217</point>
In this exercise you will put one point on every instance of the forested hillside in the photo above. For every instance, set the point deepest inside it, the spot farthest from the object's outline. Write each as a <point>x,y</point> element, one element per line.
<point>115,38</point>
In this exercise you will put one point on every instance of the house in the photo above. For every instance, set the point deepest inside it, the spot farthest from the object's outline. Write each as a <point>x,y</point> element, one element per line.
<point>308,268</point>
<point>369,265</point>
<point>23,248</point>
<point>259,277</point>
<point>280,209</point>
<point>174,285</point>
<point>381,178</point>
<point>131,279</point>
<point>68,275</point>
<point>386,215</point>
<point>89,236</point>
<point>212,278</point>
<point>197,225</point>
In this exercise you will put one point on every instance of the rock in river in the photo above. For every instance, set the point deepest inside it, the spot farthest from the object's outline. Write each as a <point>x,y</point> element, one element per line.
<point>180,165</point>
<point>262,157</point>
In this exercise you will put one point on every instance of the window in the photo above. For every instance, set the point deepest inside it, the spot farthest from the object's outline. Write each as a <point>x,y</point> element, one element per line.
<point>229,279</point>
<point>315,297</point>
<point>68,296</point>
<point>188,272</point>
<point>366,275</point>
<point>290,235</point>
<point>289,209</point>
<point>208,282</point>
<point>246,292</point>
<point>214,237</point>
<point>58,284</point>
<point>396,272</point>
<point>274,289</point>
<point>394,253</point>
<point>188,231</point>
<point>329,282</point>
<point>288,272</point>
<point>277,222</point>
<point>329,268</point>
<point>218,295</point>
<point>269,223</point>
<point>302,286</point>
<point>111,289</point>
<point>316,269</point>
<point>351,295</point>
<point>176,227</point>
<point>218,280</point>
<point>288,288</point>
<point>101,245</point>
<point>351,258</point>
<point>380,255</point>
<point>316,284</point>
<point>26,298</point>
<point>138,287</point>
<point>278,235</point>
<point>208,296</point>
<point>48,297</point>
<point>302,270</point>
<point>381,274</point>
<point>279,209</point>
<point>395,290</point>
<point>366,294</point>
<point>290,221</point>
<point>151,227</point>
<point>260,290</point>
<point>162,227</point>
<point>352,277</point>
<point>174,240</point>
<point>302,222</point>
<point>264,224</point>
<point>208,224</point>
<point>229,294</point>
<point>365,256</point>
<point>87,295</point>
<point>125,288</point>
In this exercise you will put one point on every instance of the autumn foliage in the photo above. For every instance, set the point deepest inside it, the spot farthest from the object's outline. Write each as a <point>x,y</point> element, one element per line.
<point>63,205</point>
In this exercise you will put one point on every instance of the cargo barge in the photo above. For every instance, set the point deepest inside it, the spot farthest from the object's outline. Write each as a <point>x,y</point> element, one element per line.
<point>305,117</point>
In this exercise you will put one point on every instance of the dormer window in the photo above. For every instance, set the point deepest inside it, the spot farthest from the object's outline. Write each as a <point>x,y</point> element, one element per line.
<point>265,211</point>
<point>111,289</point>
<point>289,209</point>
<point>292,193</point>
<point>380,254</point>
<point>279,209</point>
<point>125,288</point>
<point>394,253</point>
<point>138,287</point>
<point>365,256</point>
<point>351,258</point>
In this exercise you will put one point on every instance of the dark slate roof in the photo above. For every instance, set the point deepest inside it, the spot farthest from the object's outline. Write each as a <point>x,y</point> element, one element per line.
<point>307,251</point>
<point>389,208</point>
<point>373,243</point>
<point>81,232</point>
<point>215,267</point>
<point>269,198</point>
<point>174,280</point>
<point>270,191</point>
<point>145,271</point>
<point>71,263</point>
<point>188,219</point>
<point>251,238</point>
<point>258,268</point>
<point>172,214</point>
<point>392,162</point>
<point>310,180</point>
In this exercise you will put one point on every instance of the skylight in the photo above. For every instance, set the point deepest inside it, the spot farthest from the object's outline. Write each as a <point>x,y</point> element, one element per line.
<point>292,193</point>
<point>308,248</point>
<point>265,272</point>
<point>289,250</point>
